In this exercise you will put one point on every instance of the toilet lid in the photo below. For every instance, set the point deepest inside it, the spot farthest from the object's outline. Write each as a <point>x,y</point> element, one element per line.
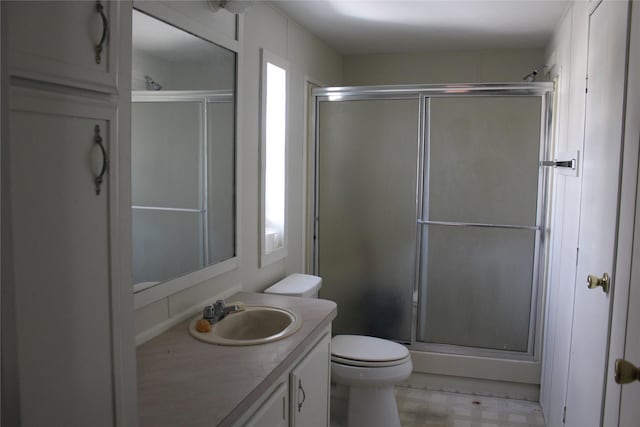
<point>370,350</point>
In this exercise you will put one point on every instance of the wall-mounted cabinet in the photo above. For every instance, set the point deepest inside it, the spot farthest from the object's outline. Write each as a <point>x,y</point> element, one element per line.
<point>69,43</point>
<point>60,232</point>
<point>67,307</point>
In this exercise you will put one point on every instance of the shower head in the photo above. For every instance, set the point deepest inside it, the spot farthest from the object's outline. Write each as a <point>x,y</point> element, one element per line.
<point>531,77</point>
<point>151,84</point>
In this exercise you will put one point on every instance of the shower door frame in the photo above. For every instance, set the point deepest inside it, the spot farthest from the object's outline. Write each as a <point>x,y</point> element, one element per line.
<point>423,93</point>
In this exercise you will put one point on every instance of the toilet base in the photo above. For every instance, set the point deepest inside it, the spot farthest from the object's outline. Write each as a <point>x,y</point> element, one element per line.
<point>371,400</point>
<point>338,404</point>
<point>372,407</point>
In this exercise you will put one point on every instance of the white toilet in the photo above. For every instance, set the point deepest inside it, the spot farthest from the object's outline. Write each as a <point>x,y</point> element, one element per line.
<point>368,367</point>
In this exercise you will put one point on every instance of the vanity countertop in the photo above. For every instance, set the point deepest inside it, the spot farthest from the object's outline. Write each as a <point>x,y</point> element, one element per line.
<point>187,383</point>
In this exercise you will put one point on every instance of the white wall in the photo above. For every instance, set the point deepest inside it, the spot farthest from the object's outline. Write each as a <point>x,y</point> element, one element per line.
<point>567,53</point>
<point>263,27</point>
<point>473,66</point>
<point>268,28</point>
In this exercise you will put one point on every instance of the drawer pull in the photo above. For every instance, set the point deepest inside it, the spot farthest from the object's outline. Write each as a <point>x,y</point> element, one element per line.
<point>98,140</point>
<point>105,28</point>
<point>304,395</point>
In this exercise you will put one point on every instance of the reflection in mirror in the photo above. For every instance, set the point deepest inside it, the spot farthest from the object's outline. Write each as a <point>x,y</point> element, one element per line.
<point>182,152</point>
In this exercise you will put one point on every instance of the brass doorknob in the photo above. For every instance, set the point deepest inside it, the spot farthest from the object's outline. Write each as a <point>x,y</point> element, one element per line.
<point>626,372</point>
<point>595,281</point>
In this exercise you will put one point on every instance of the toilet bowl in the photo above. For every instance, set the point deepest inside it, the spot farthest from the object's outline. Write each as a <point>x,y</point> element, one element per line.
<point>368,367</point>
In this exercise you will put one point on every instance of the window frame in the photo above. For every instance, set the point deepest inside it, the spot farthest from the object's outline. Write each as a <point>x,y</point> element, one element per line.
<point>267,258</point>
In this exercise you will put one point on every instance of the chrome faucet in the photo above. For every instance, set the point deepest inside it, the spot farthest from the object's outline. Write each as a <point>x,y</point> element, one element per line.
<point>217,311</point>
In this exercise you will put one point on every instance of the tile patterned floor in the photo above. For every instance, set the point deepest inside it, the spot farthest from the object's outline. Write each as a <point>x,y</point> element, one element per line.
<point>424,408</point>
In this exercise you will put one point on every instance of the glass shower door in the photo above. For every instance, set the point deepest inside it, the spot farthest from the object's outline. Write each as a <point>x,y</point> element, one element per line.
<point>480,226</point>
<point>367,168</point>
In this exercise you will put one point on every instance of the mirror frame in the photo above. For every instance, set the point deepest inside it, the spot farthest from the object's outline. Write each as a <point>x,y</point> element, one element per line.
<point>174,17</point>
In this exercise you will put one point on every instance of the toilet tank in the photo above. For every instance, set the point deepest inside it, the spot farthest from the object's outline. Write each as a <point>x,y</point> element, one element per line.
<point>297,285</point>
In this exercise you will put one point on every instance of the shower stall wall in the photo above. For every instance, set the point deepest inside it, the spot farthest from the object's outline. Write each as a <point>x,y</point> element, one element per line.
<point>429,222</point>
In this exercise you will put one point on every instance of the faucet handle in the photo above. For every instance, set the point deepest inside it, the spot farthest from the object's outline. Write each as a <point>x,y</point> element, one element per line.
<point>209,313</point>
<point>214,312</point>
<point>218,309</point>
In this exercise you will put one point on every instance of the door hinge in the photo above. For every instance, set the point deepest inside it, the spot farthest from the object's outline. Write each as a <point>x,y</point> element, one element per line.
<point>564,415</point>
<point>577,255</point>
<point>586,83</point>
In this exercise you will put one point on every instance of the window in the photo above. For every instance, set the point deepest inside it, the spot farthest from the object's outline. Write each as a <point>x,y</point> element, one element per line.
<point>273,144</point>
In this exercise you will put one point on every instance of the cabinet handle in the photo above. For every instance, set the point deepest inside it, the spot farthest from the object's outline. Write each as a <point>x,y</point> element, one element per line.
<point>304,395</point>
<point>98,140</point>
<point>105,28</point>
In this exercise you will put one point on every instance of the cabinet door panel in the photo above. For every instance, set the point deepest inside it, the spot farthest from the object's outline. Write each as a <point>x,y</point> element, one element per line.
<point>273,412</point>
<point>56,42</point>
<point>61,267</point>
<point>309,385</point>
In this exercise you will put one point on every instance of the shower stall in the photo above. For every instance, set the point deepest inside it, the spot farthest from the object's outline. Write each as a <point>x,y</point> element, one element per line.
<point>429,222</point>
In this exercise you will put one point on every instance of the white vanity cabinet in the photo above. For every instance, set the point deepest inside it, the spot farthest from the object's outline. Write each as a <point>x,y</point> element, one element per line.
<point>301,397</point>
<point>309,385</point>
<point>68,353</point>
<point>274,412</point>
<point>72,43</point>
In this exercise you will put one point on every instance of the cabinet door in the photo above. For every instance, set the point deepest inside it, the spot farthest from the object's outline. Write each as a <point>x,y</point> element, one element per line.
<point>273,412</point>
<point>62,267</point>
<point>56,41</point>
<point>309,385</point>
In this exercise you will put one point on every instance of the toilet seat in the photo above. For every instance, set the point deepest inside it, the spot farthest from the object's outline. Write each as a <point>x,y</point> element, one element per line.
<point>361,361</point>
<point>364,351</point>
<point>362,364</point>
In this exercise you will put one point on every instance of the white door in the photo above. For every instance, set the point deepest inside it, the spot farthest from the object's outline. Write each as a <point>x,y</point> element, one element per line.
<point>598,213</point>
<point>629,408</point>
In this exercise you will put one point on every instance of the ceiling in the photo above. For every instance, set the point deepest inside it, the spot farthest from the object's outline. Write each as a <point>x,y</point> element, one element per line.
<point>392,26</point>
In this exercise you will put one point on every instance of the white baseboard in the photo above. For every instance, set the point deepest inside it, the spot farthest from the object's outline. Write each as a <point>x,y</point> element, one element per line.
<point>486,368</point>
<point>475,386</point>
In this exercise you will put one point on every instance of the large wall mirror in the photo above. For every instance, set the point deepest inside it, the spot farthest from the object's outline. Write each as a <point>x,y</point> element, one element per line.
<point>182,152</point>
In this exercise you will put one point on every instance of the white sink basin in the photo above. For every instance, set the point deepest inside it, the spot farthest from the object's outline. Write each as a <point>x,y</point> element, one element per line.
<point>252,326</point>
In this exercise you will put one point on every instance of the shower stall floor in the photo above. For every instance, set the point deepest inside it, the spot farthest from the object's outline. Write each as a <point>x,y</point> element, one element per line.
<point>425,408</point>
